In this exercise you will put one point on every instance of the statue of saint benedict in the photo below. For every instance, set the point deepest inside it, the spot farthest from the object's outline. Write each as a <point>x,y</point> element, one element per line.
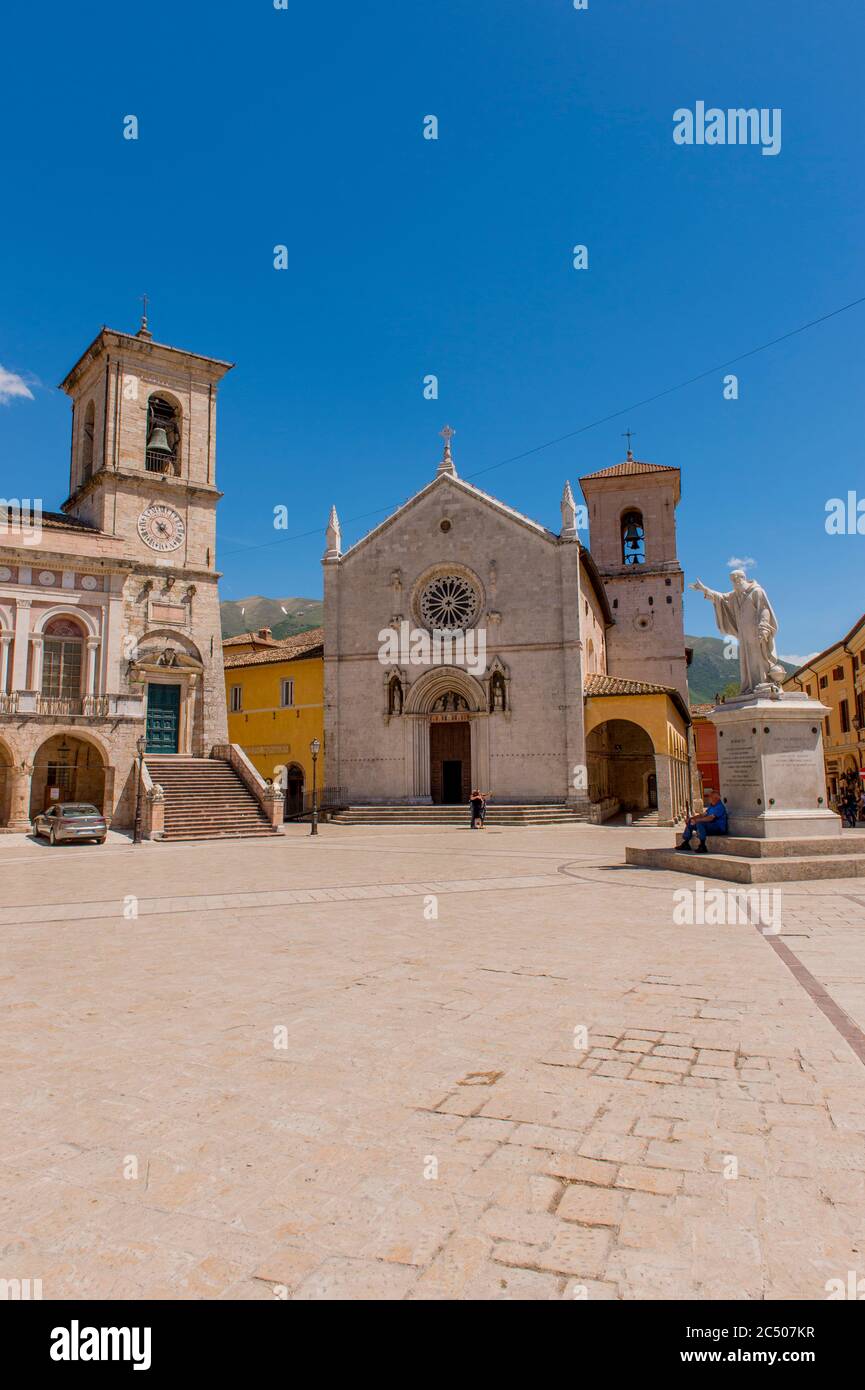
<point>747,614</point>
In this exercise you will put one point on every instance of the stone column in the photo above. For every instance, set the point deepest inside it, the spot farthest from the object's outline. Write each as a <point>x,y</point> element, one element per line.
<point>186,742</point>
<point>665,768</point>
<point>19,799</point>
<point>480,736</point>
<point>36,642</point>
<point>22,644</point>
<point>92,686</point>
<point>5,644</point>
<point>420,759</point>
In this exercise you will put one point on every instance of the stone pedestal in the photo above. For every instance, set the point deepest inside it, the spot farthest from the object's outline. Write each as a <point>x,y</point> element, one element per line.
<point>771,769</point>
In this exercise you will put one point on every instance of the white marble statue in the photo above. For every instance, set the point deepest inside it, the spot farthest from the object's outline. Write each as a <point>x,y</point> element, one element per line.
<point>746,614</point>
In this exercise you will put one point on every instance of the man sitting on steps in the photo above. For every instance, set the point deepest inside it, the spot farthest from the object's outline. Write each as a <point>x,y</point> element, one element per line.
<point>712,822</point>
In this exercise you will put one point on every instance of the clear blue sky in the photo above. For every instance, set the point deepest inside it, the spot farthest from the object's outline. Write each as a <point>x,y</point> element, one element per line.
<point>453,257</point>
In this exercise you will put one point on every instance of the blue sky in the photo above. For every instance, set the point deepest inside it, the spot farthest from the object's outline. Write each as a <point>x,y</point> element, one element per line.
<point>410,256</point>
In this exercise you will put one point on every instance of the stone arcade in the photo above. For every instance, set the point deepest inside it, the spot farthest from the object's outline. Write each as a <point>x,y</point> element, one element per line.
<point>582,701</point>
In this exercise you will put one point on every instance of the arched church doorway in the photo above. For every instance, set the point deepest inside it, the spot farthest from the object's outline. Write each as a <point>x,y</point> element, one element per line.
<point>621,764</point>
<point>67,769</point>
<point>450,751</point>
<point>294,778</point>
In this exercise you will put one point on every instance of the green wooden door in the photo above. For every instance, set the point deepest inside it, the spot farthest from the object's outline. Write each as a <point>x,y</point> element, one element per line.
<point>163,718</point>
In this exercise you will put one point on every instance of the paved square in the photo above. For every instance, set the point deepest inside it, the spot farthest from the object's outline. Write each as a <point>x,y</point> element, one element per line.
<point>423,1064</point>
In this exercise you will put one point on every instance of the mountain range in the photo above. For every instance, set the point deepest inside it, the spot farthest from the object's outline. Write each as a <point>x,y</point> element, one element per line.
<point>284,616</point>
<point>710,671</point>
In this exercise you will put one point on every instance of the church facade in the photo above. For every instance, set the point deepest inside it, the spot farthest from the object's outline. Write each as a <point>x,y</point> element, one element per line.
<point>467,646</point>
<point>109,608</point>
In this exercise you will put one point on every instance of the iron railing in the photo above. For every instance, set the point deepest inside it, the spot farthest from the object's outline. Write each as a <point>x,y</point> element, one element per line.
<point>327,799</point>
<point>157,462</point>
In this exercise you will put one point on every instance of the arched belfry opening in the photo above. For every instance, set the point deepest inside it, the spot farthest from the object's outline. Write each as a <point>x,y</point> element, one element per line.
<point>162,454</point>
<point>87,442</point>
<point>633,538</point>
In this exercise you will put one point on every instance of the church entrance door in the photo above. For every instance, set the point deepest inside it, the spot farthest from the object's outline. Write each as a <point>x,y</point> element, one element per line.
<point>163,718</point>
<point>450,762</point>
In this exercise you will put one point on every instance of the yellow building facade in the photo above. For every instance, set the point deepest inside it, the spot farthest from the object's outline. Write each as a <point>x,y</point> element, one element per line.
<point>637,747</point>
<point>837,677</point>
<point>274,692</point>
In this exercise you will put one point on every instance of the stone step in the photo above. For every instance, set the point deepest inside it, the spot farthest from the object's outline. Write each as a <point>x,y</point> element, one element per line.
<point>206,799</point>
<point>750,847</point>
<point>457,816</point>
<point>742,868</point>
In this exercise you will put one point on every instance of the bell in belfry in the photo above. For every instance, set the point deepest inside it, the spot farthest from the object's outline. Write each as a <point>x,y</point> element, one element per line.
<point>158,442</point>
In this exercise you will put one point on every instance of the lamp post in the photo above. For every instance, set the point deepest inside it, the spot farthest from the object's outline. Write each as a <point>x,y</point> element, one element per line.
<point>314,748</point>
<point>141,745</point>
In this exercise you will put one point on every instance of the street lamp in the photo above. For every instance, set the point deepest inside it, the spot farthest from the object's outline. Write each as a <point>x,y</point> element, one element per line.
<point>315,749</point>
<point>141,745</point>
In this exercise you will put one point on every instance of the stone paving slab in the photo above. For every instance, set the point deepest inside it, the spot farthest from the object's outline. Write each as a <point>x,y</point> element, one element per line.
<point>400,1065</point>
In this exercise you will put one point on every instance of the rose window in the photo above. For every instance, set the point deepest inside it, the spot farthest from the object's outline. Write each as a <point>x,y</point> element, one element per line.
<point>449,602</point>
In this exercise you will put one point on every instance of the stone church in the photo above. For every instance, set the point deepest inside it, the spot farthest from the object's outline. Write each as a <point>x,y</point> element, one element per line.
<point>110,642</point>
<point>467,646</point>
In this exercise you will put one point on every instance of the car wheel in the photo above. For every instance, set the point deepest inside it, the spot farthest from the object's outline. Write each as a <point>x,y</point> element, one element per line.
<point>52,837</point>
<point>100,842</point>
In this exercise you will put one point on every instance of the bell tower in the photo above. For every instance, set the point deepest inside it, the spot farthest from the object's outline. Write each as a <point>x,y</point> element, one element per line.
<point>143,456</point>
<point>143,468</point>
<point>632,530</point>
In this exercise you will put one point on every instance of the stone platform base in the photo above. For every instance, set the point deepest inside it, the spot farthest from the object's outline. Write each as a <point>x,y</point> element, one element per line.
<point>745,860</point>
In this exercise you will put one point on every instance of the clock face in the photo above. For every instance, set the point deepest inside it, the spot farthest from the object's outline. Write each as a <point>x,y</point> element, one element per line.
<point>161,528</point>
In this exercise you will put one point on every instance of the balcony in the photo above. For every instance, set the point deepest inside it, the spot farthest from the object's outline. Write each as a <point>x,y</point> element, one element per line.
<point>30,702</point>
<point>64,707</point>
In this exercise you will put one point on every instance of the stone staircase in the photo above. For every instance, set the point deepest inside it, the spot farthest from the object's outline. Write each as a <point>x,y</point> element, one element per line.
<point>446,816</point>
<point>205,799</point>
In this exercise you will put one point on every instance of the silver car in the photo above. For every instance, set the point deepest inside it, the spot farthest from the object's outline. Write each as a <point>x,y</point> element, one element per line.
<point>71,820</point>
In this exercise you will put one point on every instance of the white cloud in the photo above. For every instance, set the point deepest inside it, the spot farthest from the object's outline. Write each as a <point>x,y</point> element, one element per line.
<point>738,563</point>
<point>12,385</point>
<point>798,660</point>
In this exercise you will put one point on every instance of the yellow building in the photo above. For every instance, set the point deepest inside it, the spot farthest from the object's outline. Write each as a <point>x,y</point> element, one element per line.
<point>274,691</point>
<point>837,677</point>
<point>637,749</point>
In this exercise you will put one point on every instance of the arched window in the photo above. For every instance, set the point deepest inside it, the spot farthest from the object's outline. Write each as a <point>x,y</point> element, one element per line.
<point>633,539</point>
<point>163,436</point>
<point>62,660</point>
<point>87,442</point>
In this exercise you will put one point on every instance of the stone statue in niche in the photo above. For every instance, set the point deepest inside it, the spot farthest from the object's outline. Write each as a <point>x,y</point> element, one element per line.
<point>497,693</point>
<point>394,696</point>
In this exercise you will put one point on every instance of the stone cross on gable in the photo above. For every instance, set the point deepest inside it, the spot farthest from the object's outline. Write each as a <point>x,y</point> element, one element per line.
<point>447,463</point>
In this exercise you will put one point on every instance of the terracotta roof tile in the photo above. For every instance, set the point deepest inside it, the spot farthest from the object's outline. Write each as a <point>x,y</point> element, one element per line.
<point>287,649</point>
<point>246,637</point>
<point>628,468</point>
<point>59,521</point>
<point>616,685</point>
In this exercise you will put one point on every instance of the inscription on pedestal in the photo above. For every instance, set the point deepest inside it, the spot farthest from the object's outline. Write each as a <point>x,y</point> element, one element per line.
<point>737,759</point>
